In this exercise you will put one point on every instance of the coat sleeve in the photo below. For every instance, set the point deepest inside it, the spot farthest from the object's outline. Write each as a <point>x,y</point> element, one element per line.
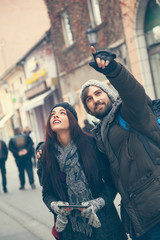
<point>132,93</point>
<point>48,194</point>
<point>29,143</point>
<point>108,191</point>
<point>13,148</point>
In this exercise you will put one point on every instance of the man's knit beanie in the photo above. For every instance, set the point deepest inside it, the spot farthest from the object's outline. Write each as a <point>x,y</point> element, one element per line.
<point>66,106</point>
<point>102,85</point>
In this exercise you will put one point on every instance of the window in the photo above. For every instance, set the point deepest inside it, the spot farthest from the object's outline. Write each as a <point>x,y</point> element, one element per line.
<point>152,34</point>
<point>94,12</point>
<point>66,28</point>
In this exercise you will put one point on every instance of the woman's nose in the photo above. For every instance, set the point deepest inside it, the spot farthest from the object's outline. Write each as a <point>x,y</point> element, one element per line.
<point>56,115</point>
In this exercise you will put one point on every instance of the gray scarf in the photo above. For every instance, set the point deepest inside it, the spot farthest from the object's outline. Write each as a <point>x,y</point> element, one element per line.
<point>77,186</point>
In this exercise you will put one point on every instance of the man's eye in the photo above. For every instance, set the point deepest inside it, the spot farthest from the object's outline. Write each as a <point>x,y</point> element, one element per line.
<point>98,93</point>
<point>88,99</point>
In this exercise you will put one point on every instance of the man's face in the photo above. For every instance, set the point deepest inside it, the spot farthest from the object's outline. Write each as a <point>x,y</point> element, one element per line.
<point>98,102</point>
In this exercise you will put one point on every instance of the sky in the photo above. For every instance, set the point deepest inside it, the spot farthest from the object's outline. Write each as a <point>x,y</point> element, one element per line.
<point>22,24</point>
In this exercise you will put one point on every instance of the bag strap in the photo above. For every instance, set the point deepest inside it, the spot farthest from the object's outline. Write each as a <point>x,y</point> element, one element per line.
<point>126,125</point>
<point>144,139</point>
<point>141,137</point>
<point>123,123</point>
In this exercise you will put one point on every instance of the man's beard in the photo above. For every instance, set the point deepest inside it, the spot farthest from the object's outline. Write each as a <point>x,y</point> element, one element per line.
<point>101,114</point>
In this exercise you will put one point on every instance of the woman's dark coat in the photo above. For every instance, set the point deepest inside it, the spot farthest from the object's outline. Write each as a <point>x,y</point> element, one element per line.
<point>112,228</point>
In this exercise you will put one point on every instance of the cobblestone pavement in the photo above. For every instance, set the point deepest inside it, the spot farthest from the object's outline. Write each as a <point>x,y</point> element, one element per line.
<point>23,215</point>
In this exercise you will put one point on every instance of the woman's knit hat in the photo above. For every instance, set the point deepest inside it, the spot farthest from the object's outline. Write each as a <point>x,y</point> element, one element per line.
<point>102,85</point>
<point>66,106</point>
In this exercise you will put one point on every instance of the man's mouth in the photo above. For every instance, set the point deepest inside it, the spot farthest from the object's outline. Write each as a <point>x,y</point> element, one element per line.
<point>98,106</point>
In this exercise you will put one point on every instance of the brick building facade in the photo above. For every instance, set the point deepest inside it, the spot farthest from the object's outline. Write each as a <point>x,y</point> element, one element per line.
<point>73,54</point>
<point>129,28</point>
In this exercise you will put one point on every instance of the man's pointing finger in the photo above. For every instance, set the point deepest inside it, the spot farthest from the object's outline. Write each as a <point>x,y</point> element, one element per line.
<point>93,50</point>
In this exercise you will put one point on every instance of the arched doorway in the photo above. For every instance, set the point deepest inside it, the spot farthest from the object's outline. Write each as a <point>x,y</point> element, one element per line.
<point>147,33</point>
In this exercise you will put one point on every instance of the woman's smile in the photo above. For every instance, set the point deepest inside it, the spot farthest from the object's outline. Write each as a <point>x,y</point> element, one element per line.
<point>56,121</point>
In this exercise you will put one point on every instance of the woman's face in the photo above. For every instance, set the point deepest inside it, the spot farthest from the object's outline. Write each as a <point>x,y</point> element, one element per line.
<point>59,120</point>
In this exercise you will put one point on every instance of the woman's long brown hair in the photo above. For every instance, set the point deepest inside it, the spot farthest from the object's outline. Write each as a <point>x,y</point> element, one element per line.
<point>88,159</point>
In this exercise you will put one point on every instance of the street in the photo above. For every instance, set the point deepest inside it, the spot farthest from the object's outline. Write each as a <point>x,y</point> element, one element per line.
<point>23,213</point>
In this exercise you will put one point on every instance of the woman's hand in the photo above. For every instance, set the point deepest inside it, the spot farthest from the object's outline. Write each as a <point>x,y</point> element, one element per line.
<point>60,211</point>
<point>90,212</point>
<point>93,206</point>
<point>61,222</point>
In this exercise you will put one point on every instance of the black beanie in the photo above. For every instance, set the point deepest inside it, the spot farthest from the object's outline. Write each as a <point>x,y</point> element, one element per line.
<point>66,106</point>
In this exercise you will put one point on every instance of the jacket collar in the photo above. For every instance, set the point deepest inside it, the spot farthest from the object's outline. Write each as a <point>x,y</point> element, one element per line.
<point>98,130</point>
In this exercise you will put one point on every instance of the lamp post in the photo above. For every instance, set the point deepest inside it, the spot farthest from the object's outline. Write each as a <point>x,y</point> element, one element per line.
<point>50,40</point>
<point>91,35</point>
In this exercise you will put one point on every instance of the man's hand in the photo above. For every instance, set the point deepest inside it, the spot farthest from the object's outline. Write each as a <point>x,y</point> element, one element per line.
<point>39,154</point>
<point>103,61</point>
<point>22,152</point>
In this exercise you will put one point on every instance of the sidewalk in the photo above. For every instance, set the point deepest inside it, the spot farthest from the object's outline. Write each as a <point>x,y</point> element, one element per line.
<point>23,215</point>
<point>17,225</point>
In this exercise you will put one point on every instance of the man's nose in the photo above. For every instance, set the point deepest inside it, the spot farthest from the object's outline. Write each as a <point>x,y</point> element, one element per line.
<point>95,99</point>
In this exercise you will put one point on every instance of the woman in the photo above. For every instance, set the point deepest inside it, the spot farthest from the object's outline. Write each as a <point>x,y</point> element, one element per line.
<point>71,171</point>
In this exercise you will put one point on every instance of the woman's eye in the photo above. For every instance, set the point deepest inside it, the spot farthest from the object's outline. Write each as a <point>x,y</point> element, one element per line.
<point>98,93</point>
<point>63,113</point>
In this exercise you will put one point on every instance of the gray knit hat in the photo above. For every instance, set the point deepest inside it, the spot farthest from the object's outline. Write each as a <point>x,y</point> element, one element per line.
<point>102,85</point>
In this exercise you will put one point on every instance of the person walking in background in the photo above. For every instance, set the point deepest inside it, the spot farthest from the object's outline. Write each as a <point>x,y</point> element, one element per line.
<point>3,158</point>
<point>87,126</point>
<point>21,147</point>
<point>29,133</point>
<point>129,135</point>
<point>71,170</point>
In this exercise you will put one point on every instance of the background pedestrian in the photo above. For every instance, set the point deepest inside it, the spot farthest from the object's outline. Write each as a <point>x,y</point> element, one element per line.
<point>21,146</point>
<point>3,158</point>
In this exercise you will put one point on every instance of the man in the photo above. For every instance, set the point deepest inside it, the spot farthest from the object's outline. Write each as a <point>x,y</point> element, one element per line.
<point>30,133</point>
<point>3,158</point>
<point>135,175</point>
<point>21,147</point>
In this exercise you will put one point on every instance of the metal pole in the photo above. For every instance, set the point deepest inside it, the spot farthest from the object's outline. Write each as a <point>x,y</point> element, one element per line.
<point>58,76</point>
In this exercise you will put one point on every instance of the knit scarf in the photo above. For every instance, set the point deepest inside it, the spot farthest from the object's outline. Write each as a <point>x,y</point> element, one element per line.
<point>77,186</point>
